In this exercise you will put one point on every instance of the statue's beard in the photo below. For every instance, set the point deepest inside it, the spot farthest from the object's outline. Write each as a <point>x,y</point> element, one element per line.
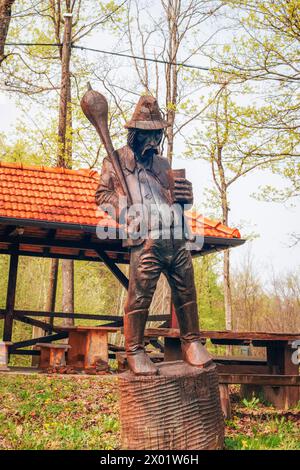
<point>142,150</point>
<point>148,151</point>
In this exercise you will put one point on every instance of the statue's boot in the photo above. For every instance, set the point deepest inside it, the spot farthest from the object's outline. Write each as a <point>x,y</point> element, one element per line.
<point>193,351</point>
<point>134,328</point>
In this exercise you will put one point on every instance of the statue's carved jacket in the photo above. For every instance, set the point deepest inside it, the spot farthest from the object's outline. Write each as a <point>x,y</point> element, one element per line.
<point>109,190</point>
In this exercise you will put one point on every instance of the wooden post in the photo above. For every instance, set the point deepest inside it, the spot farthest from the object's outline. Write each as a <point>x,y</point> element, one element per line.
<point>68,290</point>
<point>225,400</point>
<point>10,298</point>
<point>174,321</point>
<point>173,345</point>
<point>52,289</point>
<point>172,349</point>
<point>4,355</point>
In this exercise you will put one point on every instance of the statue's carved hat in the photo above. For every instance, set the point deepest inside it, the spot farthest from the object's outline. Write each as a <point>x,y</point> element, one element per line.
<point>147,115</point>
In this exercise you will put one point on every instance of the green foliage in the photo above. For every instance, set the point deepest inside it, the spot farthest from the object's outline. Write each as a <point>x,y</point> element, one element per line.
<point>19,151</point>
<point>42,412</point>
<point>96,290</point>
<point>291,172</point>
<point>266,51</point>
<point>33,76</point>
<point>235,142</point>
<point>251,404</point>
<point>274,432</point>
<point>269,442</point>
<point>4,264</point>
<point>210,293</point>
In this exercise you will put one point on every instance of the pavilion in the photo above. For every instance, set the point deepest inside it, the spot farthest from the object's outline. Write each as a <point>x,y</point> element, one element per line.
<point>51,213</point>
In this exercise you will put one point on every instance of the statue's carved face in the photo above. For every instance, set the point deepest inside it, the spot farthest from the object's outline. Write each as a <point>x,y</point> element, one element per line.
<point>146,143</point>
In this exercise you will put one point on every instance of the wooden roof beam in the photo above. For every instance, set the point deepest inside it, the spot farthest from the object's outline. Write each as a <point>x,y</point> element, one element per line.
<point>113,267</point>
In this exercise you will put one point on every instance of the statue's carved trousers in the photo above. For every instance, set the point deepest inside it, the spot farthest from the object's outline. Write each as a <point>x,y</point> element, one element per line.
<point>147,262</point>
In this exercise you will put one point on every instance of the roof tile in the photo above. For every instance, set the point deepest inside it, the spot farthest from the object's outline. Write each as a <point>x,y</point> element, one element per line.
<point>67,196</point>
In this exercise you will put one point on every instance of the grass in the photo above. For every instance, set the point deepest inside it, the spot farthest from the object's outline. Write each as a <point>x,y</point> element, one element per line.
<point>265,433</point>
<point>257,426</point>
<point>42,412</point>
<point>52,412</point>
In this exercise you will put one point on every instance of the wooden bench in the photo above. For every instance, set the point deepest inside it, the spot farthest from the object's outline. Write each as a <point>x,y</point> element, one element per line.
<point>288,383</point>
<point>52,355</point>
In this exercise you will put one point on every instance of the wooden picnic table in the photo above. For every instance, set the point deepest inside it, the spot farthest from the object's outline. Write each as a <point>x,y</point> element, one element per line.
<point>280,347</point>
<point>88,346</point>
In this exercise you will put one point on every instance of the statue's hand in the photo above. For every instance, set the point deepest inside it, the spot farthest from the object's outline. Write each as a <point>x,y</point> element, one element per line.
<point>183,191</point>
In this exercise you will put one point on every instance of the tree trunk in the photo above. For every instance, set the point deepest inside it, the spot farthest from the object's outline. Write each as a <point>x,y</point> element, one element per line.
<point>226,260</point>
<point>172,75</point>
<point>5,17</point>
<point>64,156</point>
<point>226,276</point>
<point>68,290</point>
<point>64,151</point>
<point>226,270</point>
<point>227,291</point>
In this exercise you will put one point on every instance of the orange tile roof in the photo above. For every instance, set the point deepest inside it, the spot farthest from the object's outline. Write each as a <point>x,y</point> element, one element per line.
<point>61,195</point>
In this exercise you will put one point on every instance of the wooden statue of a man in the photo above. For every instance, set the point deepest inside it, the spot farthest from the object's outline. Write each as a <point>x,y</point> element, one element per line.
<point>153,190</point>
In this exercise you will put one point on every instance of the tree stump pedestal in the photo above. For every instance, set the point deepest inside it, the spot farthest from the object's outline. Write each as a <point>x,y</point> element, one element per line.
<point>179,409</point>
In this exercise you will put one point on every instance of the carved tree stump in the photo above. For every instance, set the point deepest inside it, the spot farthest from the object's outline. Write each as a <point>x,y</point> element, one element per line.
<point>177,410</point>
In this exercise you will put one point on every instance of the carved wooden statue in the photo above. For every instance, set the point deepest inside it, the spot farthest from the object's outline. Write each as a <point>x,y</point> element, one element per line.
<point>138,183</point>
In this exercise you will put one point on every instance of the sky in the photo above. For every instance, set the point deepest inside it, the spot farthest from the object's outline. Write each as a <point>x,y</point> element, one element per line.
<point>272,222</point>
